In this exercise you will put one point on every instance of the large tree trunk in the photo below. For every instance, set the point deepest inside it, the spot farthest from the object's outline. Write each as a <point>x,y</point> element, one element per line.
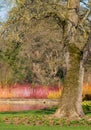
<point>70,102</point>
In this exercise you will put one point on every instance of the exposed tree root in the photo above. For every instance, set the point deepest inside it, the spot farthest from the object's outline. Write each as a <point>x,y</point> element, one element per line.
<point>68,114</point>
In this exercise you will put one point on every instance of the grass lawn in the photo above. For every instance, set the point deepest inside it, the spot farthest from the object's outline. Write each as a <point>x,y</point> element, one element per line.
<point>39,120</point>
<point>21,127</point>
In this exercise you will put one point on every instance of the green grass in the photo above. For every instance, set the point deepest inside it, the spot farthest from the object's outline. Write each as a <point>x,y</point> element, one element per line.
<point>33,112</point>
<point>28,120</point>
<point>21,127</point>
<point>28,113</point>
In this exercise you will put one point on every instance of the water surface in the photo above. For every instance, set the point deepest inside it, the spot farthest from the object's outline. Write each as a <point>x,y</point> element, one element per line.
<point>19,107</point>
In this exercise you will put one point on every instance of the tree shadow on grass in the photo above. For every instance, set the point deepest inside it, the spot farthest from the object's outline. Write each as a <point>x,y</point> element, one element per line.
<point>45,111</point>
<point>88,113</point>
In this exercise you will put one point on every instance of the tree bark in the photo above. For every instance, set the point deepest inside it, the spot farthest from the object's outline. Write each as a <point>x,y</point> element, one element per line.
<point>70,102</point>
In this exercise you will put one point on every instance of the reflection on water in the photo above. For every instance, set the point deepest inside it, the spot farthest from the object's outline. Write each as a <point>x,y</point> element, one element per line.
<point>19,107</point>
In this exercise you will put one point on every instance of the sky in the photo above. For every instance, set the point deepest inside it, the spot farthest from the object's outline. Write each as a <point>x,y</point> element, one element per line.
<point>7,5</point>
<point>86,1</point>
